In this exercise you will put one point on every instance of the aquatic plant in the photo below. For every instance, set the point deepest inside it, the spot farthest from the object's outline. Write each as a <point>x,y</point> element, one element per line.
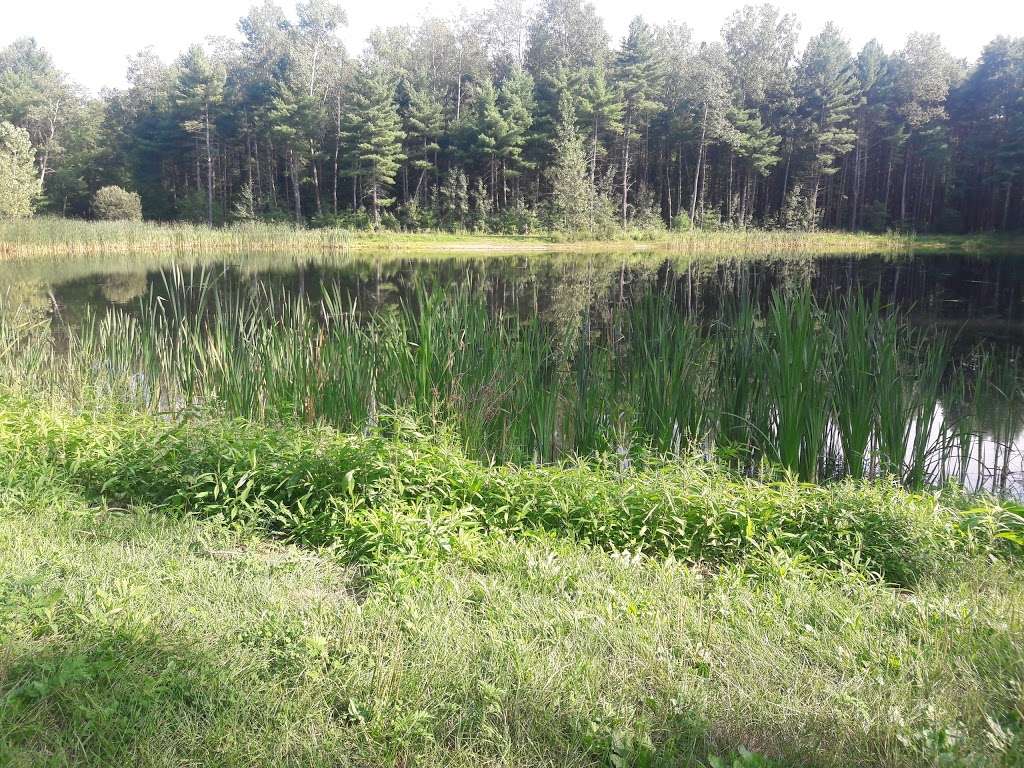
<point>821,389</point>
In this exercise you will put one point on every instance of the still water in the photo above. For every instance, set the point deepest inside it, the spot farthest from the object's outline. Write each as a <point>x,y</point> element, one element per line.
<point>972,299</point>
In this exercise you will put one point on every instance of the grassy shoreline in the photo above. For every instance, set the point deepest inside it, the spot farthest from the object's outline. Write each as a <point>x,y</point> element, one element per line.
<point>52,237</point>
<point>150,613</point>
<point>402,497</point>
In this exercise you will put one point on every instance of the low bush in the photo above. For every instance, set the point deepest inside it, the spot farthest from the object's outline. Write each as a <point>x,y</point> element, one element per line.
<point>116,204</point>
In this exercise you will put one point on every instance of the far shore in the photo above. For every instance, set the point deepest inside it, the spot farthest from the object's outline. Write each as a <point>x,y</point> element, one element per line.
<point>54,237</point>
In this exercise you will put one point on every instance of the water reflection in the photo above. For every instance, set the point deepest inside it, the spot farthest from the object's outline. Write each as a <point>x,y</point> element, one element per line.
<point>979,297</point>
<point>973,298</point>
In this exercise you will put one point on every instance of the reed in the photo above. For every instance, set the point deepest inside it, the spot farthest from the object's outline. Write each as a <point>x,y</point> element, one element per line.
<point>50,236</point>
<point>854,379</point>
<point>800,401</point>
<point>819,389</point>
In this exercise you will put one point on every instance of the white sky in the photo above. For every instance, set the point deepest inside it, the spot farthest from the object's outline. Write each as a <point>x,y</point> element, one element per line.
<point>91,40</point>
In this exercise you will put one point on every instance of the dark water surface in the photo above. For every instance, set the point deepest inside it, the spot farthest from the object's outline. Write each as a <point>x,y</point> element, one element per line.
<point>977,297</point>
<point>974,298</point>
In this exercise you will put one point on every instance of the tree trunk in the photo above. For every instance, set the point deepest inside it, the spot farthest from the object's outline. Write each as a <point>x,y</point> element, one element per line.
<point>1006,204</point>
<point>679,177</point>
<point>272,171</point>
<point>785,182</point>
<point>700,164</point>
<point>458,95</point>
<point>814,199</point>
<point>316,179</point>
<point>44,164</point>
<point>296,191</point>
<point>903,191</point>
<point>728,190</point>
<point>855,197</point>
<point>373,192</point>
<point>337,153</point>
<point>259,174</point>
<point>209,169</point>
<point>625,167</point>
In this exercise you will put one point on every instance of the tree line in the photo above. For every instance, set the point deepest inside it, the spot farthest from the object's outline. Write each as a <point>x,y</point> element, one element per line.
<point>516,119</point>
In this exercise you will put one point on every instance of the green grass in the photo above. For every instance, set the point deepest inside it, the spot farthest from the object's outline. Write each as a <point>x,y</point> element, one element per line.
<point>132,637</point>
<point>50,236</point>
<point>400,498</point>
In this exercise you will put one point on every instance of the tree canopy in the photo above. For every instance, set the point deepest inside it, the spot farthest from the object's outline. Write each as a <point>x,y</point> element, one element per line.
<point>480,120</point>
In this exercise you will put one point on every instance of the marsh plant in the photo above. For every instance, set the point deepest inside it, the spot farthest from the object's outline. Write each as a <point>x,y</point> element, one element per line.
<point>821,389</point>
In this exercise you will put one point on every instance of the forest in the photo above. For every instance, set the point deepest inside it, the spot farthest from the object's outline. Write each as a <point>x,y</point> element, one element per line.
<point>518,119</point>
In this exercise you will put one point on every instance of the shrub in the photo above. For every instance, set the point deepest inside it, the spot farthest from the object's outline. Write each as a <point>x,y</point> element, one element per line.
<point>798,214</point>
<point>875,217</point>
<point>681,222</point>
<point>709,219</point>
<point>416,217</point>
<point>246,206</point>
<point>116,204</point>
<point>517,219</point>
<point>646,219</point>
<point>19,185</point>
<point>193,208</point>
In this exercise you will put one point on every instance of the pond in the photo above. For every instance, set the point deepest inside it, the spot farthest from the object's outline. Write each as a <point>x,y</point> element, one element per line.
<point>542,356</point>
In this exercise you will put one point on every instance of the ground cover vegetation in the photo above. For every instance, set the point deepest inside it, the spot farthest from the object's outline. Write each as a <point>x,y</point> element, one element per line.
<point>270,527</point>
<point>224,541</point>
<point>214,591</point>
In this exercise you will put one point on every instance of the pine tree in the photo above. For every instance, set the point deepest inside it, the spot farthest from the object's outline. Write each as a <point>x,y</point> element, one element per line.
<point>828,91</point>
<point>601,109</point>
<point>517,107</point>
<point>639,74</point>
<point>293,116</point>
<point>758,150</point>
<point>198,92</point>
<point>989,106</point>
<point>454,198</point>
<point>572,194</point>
<point>424,124</point>
<point>375,135</point>
<point>491,129</point>
<point>709,103</point>
<point>923,71</point>
<point>871,118</point>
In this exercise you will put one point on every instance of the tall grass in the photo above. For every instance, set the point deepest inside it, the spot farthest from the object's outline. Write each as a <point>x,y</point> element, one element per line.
<point>820,389</point>
<point>59,237</point>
